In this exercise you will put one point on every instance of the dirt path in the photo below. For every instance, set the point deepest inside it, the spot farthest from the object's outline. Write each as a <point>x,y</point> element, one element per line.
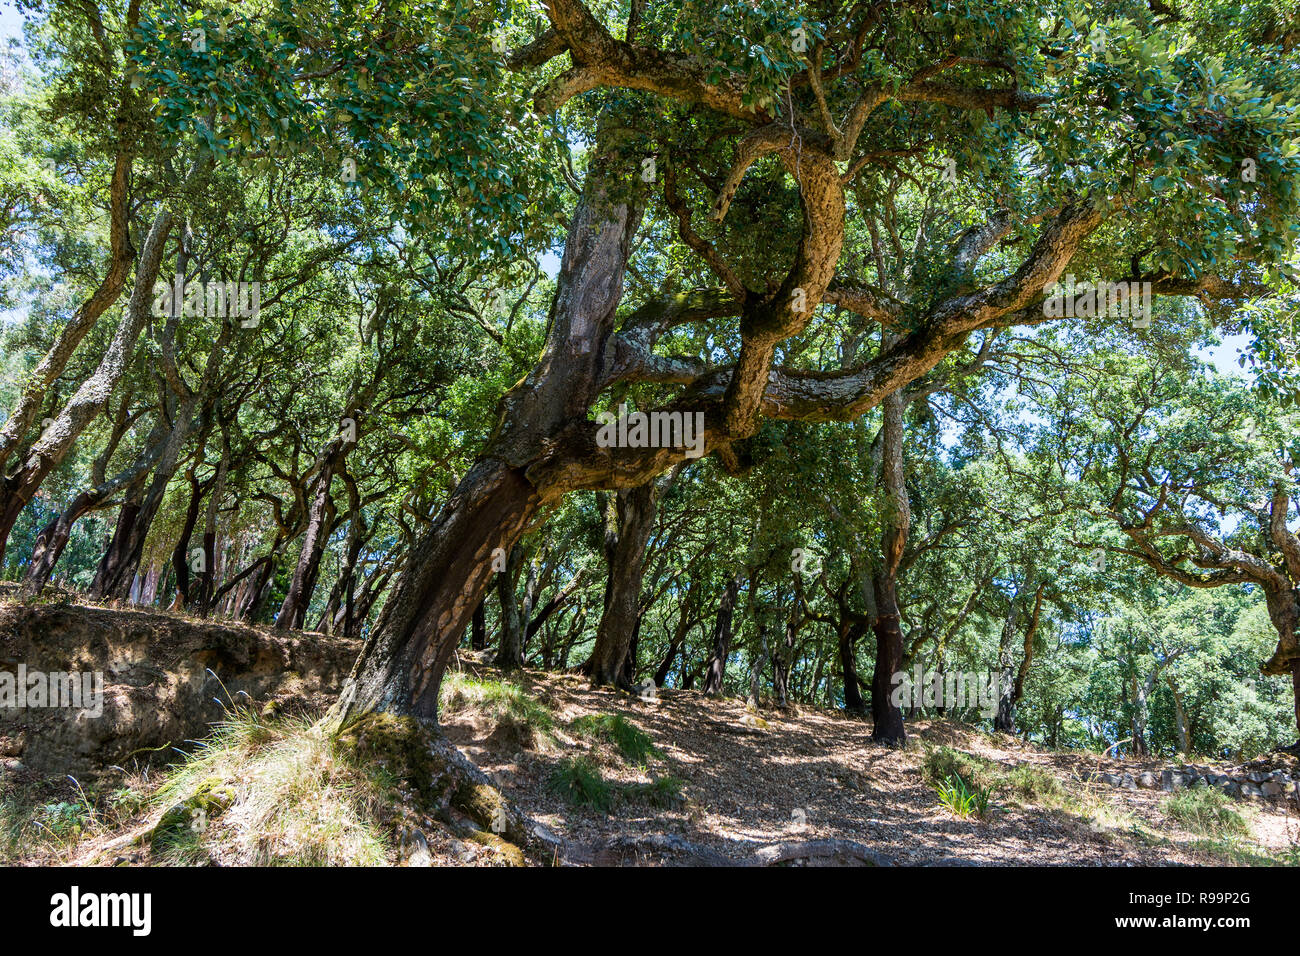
<point>815,775</point>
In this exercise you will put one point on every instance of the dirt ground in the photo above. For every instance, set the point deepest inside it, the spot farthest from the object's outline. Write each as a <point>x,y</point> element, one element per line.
<point>814,774</point>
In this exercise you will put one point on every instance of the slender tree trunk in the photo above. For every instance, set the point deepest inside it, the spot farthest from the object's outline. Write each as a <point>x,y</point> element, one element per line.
<point>781,661</point>
<point>1295,690</point>
<point>90,398</point>
<point>320,517</point>
<point>684,623</point>
<point>27,408</point>
<point>1139,722</point>
<point>567,646</point>
<point>117,554</point>
<point>1011,691</point>
<point>715,668</point>
<point>510,651</point>
<point>401,666</point>
<point>1005,718</point>
<point>888,716</point>
<point>1180,718</point>
<point>850,632</point>
<point>631,522</point>
<point>181,553</point>
<point>51,541</point>
<point>756,668</point>
<point>478,629</point>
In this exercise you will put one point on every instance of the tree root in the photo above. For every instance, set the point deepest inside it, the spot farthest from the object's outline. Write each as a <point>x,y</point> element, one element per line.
<point>613,852</point>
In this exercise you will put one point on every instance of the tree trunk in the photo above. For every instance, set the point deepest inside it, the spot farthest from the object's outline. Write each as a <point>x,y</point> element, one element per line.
<point>782,660</point>
<point>886,715</point>
<point>756,668</point>
<point>1295,690</point>
<point>631,660</point>
<point>181,553</point>
<point>1139,722</point>
<point>630,523</point>
<point>1011,691</point>
<point>27,407</point>
<point>90,398</point>
<point>400,668</point>
<point>567,646</point>
<point>478,629</point>
<point>320,516</point>
<point>510,651</point>
<point>116,578</point>
<point>684,622</point>
<point>117,554</point>
<point>850,632</point>
<point>715,668</point>
<point>51,541</point>
<point>1180,718</point>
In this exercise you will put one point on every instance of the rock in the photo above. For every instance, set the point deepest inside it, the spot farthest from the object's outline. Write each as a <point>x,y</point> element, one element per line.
<point>1229,786</point>
<point>1280,776</point>
<point>1250,792</point>
<point>415,849</point>
<point>1258,776</point>
<point>1171,780</point>
<point>195,812</point>
<point>1127,782</point>
<point>1271,790</point>
<point>1146,781</point>
<point>646,690</point>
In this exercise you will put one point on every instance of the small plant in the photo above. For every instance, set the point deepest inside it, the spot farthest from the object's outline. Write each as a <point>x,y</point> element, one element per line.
<point>1208,812</point>
<point>1037,786</point>
<point>519,718</point>
<point>661,792</point>
<point>632,742</point>
<point>64,819</point>
<point>963,800</point>
<point>579,781</point>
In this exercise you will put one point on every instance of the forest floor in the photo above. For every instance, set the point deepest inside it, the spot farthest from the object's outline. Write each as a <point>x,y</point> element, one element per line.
<point>809,774</point>
<point>611,779</point>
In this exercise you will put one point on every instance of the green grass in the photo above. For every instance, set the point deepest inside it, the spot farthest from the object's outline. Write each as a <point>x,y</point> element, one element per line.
<point>963,800</point>
<point>522,717</point>
<point>661,792</point>
<point>291,796</point>
<point>579,781</point>
<point>1023,786</point>
<point>632,742</point>
<point>1208,812</point>
<point>34,821</point>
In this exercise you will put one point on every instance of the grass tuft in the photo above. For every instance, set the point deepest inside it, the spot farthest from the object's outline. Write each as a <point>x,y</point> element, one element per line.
<point>663,793</point>
<point>1208,812</point>
<point>632,742</point>
<point>579,781</point>
<point>522,719</point>
<point>291,796</point>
